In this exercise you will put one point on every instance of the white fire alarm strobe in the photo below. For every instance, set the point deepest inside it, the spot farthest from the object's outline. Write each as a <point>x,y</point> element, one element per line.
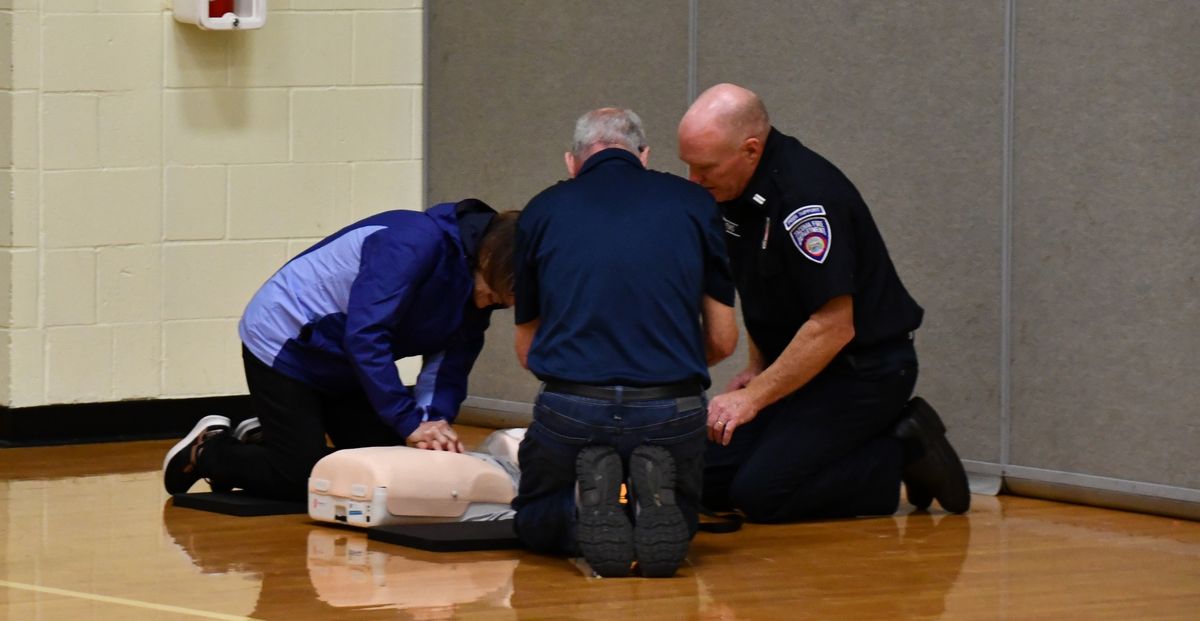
<point>222,14</point>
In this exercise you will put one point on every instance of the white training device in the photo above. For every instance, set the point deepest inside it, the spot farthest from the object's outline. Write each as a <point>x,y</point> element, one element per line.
<point>383,485</point>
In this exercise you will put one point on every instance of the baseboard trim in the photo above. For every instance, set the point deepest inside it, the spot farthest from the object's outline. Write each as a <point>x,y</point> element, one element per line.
<point>1092,490</point>
<point>500,405</point>
<point>119,421</point>
<point>157,419</point>
<point>1103,498</point>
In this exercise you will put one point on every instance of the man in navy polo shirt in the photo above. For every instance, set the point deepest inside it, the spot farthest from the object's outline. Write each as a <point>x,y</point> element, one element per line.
<point>623,299</point>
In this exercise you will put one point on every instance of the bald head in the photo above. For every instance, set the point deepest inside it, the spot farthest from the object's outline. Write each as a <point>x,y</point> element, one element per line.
<point>721,138</point>
<point>729,109</point>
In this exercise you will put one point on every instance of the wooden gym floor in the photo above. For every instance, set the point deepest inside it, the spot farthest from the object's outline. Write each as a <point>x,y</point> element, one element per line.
<point>88,533</point>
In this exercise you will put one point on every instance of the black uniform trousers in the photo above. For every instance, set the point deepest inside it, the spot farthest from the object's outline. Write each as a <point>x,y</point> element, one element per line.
<point>295,420</point>
<point>825,451</point>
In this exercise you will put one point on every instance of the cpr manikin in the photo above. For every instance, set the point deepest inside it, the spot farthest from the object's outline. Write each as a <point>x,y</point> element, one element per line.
<point>377,486</point>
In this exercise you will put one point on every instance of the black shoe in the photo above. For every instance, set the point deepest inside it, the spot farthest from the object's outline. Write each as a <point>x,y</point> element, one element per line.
<point>248,431</point>
<point>917,496</point>
<point>660,534</point>
<point>603,532</point>
<point>179,466</point>
<point>934,471</point>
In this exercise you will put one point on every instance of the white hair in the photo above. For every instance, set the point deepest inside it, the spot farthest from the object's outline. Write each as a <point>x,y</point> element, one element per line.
<point>608,127</point>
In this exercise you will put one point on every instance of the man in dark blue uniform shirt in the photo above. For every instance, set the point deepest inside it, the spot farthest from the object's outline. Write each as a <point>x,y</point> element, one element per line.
<point>816,426</point>
<point>623,299</point>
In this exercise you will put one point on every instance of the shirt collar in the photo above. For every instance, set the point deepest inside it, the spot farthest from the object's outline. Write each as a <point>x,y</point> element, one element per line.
<point>613,153</point>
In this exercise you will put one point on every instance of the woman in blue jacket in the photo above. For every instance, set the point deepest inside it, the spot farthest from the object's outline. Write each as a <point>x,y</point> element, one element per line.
<point>320,339</point>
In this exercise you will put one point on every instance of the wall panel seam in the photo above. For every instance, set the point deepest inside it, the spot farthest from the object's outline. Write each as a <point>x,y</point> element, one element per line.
<point>426,11</point>
<point>1006,236</point>
<point>693,49</point>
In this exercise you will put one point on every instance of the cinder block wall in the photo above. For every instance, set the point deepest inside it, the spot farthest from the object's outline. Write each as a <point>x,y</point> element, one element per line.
<point>152,175</point>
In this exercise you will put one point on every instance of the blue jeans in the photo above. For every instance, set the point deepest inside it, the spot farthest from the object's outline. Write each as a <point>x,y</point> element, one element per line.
<point>564,424</point>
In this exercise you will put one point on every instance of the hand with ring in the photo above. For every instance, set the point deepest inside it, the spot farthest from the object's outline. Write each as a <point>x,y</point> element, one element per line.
<point>727,412</point>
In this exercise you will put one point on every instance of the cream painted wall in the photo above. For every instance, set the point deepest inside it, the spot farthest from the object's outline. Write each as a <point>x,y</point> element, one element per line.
<point>157,174</point>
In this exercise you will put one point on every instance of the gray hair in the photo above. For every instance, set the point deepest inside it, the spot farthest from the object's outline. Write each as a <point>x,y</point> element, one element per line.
<point>608,127</point>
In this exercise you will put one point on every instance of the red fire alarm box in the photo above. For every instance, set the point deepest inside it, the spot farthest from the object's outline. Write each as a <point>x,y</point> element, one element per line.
<point>221,14</point>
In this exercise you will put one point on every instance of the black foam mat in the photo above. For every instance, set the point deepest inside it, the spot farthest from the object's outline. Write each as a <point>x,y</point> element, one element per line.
<point>238,503</point>
<point>449,536</point>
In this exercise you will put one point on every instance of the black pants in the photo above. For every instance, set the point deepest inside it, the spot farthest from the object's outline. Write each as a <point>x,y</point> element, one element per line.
<point>822,452</point>
<point>295,420</point>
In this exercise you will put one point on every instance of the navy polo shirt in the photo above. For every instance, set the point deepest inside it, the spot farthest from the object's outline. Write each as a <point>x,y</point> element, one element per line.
<point>615,264</point>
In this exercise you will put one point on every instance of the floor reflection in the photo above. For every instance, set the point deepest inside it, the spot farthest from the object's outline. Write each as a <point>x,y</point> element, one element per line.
<point>898,567</point>
<point>337,573</point>
<point>347,572</point>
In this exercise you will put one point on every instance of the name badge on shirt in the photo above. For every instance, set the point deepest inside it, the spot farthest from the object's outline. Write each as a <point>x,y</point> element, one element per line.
<point>810,232</point>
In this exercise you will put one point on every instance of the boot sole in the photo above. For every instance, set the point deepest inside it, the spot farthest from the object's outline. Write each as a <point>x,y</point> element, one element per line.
<point>603,532</point>
<point>660,534</point>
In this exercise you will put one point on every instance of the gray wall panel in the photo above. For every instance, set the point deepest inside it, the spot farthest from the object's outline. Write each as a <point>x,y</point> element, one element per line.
<point>1106,231</point>
<point>508,78</point>
<point>907,98</point>
<point>910,99</point>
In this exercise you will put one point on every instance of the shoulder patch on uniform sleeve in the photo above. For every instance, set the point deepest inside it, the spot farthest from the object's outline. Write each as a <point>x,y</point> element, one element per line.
<point>812,238</point>
<point>807,211</point>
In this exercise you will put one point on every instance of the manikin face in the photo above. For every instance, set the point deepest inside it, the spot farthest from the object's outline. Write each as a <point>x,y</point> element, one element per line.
<point>485,297</point>
<point>715,162</point>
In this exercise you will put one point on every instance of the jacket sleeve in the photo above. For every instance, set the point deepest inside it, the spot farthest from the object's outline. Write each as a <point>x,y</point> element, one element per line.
<point>392,267</point>
<point>442,383</point>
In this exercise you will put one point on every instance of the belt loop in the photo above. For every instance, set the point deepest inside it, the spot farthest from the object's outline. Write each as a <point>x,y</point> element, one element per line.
<point>618,404</point>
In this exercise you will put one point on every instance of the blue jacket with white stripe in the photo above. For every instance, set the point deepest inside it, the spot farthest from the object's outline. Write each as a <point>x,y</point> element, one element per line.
<point>393,285</point>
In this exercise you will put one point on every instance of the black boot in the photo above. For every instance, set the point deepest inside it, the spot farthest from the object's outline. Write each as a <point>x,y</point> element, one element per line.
<point>932,469</point>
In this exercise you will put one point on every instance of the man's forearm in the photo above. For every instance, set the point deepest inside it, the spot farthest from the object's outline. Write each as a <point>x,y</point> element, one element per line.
<point>754,357</point>
<point>720,330</point>
<point>816,343</point>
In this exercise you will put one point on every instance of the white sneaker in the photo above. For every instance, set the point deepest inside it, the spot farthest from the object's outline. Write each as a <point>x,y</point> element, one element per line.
<point>179,466</point>
<point>248,431</point>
